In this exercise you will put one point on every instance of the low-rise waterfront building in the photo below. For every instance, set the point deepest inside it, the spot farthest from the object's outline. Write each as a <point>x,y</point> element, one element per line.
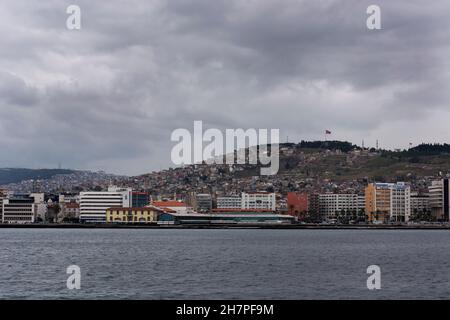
<point>172,205</point>
<point>224,217</point>
<point>133,215</point>
<point>229,202</point>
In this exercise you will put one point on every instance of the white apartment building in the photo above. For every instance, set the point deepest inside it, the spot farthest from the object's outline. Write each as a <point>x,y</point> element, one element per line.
<point>258,201</point>
<point>331,204</point>
<point>93,204</point>
<point>400,202</point>
<point>229,202</point>
<point>3,196</point>
<point>18,209</point>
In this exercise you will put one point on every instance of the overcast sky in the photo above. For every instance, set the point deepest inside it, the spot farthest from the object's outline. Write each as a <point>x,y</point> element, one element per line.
<point>109,95</point>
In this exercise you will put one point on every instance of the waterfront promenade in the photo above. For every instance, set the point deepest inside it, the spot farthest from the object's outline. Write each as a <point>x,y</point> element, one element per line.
<point>232,226</point>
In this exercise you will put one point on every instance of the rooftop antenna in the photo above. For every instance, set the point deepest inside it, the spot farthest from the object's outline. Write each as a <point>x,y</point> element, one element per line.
<point>377,145</point>
<point>363,144</point>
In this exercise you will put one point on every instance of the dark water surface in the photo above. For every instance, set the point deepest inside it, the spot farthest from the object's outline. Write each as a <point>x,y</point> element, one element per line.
<point>224,264</point>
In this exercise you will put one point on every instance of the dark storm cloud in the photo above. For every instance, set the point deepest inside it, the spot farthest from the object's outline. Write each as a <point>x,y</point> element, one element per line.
<point>109,95</point>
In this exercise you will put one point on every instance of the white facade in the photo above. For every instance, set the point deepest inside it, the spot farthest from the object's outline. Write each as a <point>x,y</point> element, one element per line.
<point>65,198</point>
<point>229,202</point>
<point>3,196</point>
<point>93,204</point>
<point>258,201</point>
<point>331,204</point>
<point>400,202</point>
<point>439,192</point>
<point>18,210</point>
<point>436,193</point>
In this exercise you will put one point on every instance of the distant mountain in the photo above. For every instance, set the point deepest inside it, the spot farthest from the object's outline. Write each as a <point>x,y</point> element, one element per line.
<point>15,175</point>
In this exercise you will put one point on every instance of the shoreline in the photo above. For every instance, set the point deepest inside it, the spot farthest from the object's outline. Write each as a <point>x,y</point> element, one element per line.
<point>227,226</point>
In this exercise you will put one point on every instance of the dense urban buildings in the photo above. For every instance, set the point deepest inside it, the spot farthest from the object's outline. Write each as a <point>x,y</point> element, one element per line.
<point>381,203</point>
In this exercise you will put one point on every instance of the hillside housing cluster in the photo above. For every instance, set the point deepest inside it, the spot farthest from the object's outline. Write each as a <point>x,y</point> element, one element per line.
<point>380,203</point>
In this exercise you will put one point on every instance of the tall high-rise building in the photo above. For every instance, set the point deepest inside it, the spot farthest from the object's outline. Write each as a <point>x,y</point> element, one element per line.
<point>388,202</point>
<point>439,192</point>
<point>93,204</point>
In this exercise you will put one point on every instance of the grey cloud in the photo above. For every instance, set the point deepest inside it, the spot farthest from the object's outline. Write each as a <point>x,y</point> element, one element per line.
<point>15,92</point>
<point>111,93</point>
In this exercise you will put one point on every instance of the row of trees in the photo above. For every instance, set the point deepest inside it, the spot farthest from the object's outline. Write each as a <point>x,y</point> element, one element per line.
<point>53,215</point>
<point>342,216</point>
<point>422,215</point>
<point>359,216</point>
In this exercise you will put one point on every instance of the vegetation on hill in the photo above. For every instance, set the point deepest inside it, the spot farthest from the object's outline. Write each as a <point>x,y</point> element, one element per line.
<point>430,149</point>
<point>312,159</point>
<point>344,146</point>
<point>15,175</point>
